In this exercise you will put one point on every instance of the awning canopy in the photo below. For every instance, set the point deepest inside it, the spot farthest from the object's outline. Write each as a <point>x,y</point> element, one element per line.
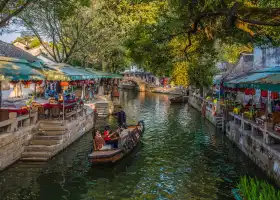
<point>100,74</point>
<point>265,79</point>
<point>66,72</point>
<point>271,82</point>
<point>245,82</point>
<point>18,69</point>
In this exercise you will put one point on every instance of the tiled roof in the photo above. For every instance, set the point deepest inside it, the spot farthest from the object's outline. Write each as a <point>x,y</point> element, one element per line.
<point>9,50</point>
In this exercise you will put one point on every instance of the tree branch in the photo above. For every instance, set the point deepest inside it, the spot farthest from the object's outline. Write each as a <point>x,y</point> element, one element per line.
<point>16,12</point>
<point>3,5</point>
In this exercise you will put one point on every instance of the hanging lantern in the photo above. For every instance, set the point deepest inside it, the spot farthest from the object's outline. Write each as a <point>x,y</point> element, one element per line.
<point>274,95</point>
<point>14,82</point>
<point>38,82</point>
<point>26,84</point>
<point>250,91</point>
<point>73,83</point>
<point>264,93</point>
<point>64,84</point>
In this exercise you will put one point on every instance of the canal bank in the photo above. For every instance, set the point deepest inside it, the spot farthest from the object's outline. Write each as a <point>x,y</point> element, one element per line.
<point>259,142</point>
<point>181,157</point>
<point>31,139</point>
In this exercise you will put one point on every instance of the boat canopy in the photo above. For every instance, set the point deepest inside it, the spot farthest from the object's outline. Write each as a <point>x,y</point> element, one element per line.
<point>18,69</point>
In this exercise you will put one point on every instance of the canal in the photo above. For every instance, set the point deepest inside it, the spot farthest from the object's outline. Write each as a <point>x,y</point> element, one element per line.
<point>181,157</point>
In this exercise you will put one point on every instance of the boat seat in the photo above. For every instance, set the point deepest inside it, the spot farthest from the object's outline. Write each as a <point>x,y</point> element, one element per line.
<point>106,147</point>
<point>105,153</point>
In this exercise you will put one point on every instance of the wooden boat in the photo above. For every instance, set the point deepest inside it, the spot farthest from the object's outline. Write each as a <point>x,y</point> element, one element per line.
<point>180,99</point>
<point>129,139</point>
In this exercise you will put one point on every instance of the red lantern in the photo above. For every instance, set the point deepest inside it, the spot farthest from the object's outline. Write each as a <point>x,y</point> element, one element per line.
<point>73,83</point>
<point>64,83</point>
<point>250,91</point>
<point>274,95</point>
<point>264,93</point>
<point>38,82</point>
<point>26,82</point>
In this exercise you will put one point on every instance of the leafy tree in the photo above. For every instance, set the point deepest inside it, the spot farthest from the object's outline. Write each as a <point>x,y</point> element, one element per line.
<point>200,32</point>
<point>10,9</point>
<point>66,25</point>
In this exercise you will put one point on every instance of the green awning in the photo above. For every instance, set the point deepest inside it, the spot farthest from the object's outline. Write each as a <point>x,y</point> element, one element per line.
<point>67,73</point>
<point>247,81</point>
<point>265,79</point>
<point>18,69</point>
<point>37,65</point>
<point>100,74</point>
<point>271,82</point>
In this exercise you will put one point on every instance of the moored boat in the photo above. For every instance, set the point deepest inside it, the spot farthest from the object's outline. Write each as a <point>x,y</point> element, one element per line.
<point>129,139</point>
<point>180,99</point>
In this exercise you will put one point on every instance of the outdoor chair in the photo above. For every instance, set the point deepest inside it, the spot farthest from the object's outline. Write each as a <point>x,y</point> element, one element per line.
<point>55,112</point>
<point>41,111</point>
<point>275,118</point>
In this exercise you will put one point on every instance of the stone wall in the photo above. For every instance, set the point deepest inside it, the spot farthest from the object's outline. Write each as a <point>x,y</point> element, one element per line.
<point>74,130</point>
<point>260,145</point>
<point>12,144</point>
<point>195,102</point>
<point>253,141</point>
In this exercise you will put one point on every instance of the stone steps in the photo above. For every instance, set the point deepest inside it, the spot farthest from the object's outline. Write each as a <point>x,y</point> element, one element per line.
<point>44,142</point>
<point>35,159</point>
<point>51,122</point>
<point>102,109</point>
<point>41,154</point>
<point>39,148</point>
<point>51,128</point>
<point>50,133</point>
<point>47,137</point>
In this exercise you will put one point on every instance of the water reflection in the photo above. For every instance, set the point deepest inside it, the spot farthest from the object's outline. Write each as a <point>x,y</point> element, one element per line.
<point>181,157</point>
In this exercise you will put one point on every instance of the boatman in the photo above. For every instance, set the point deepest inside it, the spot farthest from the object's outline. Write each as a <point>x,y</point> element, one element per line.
<point>121,118</point>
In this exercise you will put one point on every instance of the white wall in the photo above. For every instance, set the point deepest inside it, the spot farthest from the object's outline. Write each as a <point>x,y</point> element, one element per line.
<point>11,92</point>
<point>269,57</point>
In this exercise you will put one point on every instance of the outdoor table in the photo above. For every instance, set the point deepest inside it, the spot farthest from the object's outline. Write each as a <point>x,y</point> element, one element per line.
<point>19,111</point>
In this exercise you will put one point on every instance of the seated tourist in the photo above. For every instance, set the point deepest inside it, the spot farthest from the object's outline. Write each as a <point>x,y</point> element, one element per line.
<point>99,141</point>
<point>110,138</point>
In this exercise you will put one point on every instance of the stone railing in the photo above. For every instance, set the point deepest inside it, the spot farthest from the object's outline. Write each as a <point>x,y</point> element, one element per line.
<point>264,132</point>
<point>15,122</point>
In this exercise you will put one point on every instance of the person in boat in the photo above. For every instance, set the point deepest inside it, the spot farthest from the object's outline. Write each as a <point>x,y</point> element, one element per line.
<point>111,139</point>
<point>121,118</point>
<point>99,141</point>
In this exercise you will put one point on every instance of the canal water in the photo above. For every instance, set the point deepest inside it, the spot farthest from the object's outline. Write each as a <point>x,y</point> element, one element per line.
<point>181,157</point>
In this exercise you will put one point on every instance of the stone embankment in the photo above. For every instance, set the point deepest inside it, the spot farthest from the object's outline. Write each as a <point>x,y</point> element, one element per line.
<point>41,140</point>
<point>260,143</point>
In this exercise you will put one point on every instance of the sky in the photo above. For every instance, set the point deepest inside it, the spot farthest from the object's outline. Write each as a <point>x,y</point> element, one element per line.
<point>14,32</point>
<point>9,37</point>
